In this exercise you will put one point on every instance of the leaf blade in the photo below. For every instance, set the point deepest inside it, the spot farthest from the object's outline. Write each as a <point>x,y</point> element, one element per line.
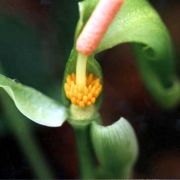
<point>115,147</point>
<point>33,104</point>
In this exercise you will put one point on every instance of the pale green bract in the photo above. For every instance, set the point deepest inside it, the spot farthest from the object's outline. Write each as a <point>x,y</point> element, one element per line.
<point>115,147</point>
<point>33,104</point>
<point>138,23</point>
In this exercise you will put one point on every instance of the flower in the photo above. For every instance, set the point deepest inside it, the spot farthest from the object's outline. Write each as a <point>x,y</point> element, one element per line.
<point>85,96</point>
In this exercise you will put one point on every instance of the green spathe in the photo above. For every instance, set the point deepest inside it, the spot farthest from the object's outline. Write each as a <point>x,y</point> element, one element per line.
<point>139,24</point>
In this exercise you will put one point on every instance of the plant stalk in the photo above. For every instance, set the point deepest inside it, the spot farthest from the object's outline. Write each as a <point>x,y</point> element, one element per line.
<point>87,163</point>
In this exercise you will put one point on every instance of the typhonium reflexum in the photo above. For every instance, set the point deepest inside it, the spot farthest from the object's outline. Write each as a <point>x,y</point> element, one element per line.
<point>114,146</point>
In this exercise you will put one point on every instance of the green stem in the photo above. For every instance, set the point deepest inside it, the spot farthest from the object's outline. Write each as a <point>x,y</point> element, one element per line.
<point>87,163</point>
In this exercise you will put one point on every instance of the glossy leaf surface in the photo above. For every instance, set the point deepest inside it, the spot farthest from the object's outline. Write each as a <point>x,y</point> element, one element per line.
<point>115,147</point>
<point>33,104</point>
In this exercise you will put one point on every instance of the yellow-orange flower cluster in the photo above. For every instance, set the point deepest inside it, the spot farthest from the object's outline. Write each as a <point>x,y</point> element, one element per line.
<point>85,96</point>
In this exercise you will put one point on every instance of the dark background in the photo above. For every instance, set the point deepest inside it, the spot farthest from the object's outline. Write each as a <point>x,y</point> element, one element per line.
<point>35,40</point>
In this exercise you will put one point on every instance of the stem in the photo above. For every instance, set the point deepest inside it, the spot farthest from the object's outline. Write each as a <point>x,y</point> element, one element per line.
<point>87,163</point>
<point>81,70</point>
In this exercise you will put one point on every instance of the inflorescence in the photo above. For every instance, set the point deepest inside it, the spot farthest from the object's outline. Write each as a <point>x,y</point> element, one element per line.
<point>82,96</point>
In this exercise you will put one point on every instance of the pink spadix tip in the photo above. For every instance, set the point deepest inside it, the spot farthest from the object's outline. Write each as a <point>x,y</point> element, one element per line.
<point>97,26</point>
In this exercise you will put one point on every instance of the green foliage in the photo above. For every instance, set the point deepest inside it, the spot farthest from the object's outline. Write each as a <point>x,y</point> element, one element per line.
<point>116,148</point>
<point>34,104</point>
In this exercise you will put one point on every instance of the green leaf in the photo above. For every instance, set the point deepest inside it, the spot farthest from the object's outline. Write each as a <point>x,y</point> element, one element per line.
<point>33,104</point>
<point>115,147</point>
<point>138,23</point>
